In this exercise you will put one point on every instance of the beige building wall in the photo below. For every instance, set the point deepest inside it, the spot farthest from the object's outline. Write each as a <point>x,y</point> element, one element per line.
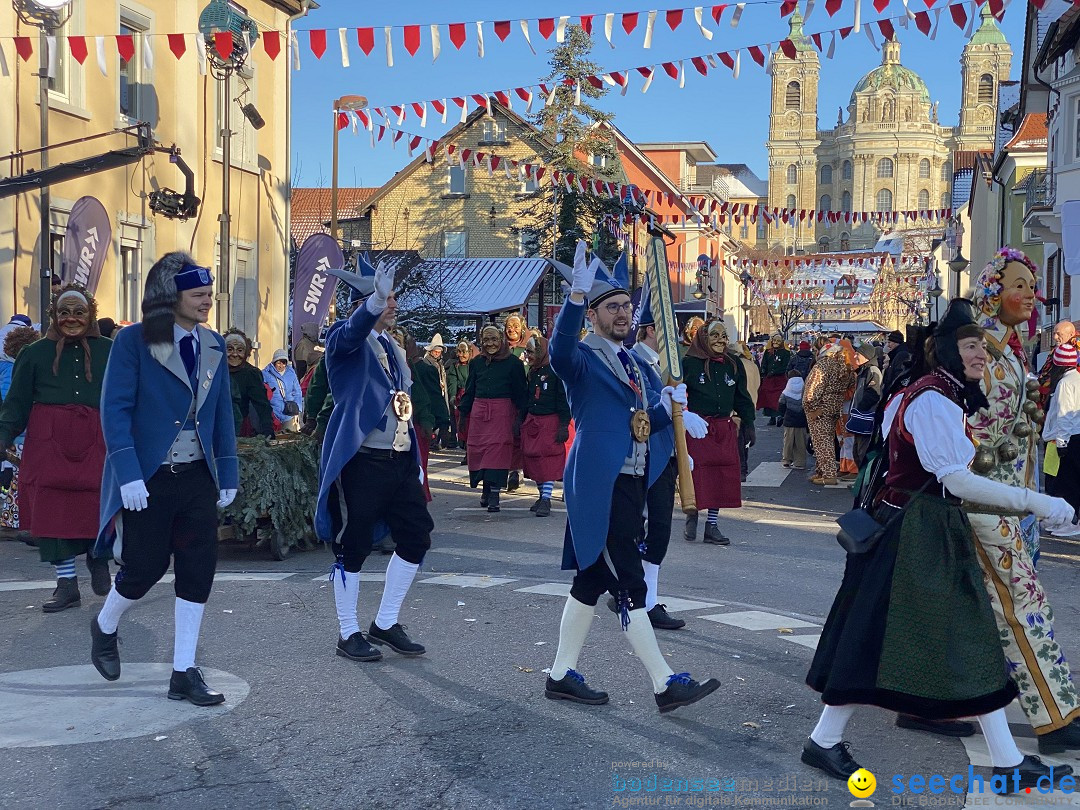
<point>182,107</point>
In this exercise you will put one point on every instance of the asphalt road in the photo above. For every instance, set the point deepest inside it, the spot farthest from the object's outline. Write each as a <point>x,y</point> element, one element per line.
<point>467,725</point>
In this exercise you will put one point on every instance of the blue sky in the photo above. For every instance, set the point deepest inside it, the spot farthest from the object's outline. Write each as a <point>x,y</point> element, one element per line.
<point>731,115</point>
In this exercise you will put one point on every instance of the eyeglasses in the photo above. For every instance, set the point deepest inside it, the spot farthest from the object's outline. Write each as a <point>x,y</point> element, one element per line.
<point>614,309</point>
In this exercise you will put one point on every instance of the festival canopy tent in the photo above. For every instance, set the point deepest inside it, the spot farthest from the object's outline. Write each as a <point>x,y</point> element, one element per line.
<point>472,287</point>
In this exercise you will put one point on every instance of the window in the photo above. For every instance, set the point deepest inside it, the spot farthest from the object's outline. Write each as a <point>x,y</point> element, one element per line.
<point>945,201</point>
<point>242,144</point>
<point>986,89</point>
<point>946,171</point>
<point>456,180</point>
<point>130,282</point>
<point>600,161</point>
<point>884,168</point>
<point>1076,127</point>
<point>528,243</point>
<point>245,291</point>
<point>494,130</point>
<point>455,244</point>
<point>924,200</point>
<point>762,230</point>
<point>826,175</point>
<point>845,171</point>
<point>793,97</point>
<point>58,83</point>
<point>845,201</point>
<point>825,203</point>
<point>529,185</point>
<point>823,244</point>
<point>924,169</point>
<point>791,203</point>
<point>792,175</point>
<point>845,241</point>
<point>744,230</point>
<point>130,73</point>
<point>884,200</point>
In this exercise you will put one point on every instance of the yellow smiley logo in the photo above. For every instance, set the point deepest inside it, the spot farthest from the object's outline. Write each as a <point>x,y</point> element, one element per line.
<point>862,783</point>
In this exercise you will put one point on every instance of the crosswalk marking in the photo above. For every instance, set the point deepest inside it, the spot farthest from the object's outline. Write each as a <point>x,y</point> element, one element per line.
<point>758,620</point>
<point>804,641</point>
<point>548,589</point>
<point>466,581</point>
<point>373,576</point>
<point>767,474</point>
<point>812,524</point>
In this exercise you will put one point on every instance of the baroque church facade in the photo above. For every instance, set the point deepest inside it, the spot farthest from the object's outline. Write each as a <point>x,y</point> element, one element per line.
<point>888,151</point>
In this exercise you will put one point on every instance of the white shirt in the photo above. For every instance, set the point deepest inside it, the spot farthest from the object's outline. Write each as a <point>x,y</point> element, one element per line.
<point>1063,418</point>
<point>179,334</point>
<point>937,425</point>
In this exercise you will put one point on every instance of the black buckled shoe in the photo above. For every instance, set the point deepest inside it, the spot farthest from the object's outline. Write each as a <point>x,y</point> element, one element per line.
<point>544,507</point>
<point>1028,773</point>
<point>682,690</point>
<point>513,481</point>
<point>662,620</point>
<point>100,578</point>
<point>837,761</point>
<point>396,639</point>
<point>356,648</point>
<point>946,728</point>
<point>493,501</point>
<point>1057,741</point>
<point>714,536</point>
<point>65,596</point>
<point>689,531</point>
<point>104,652</point>
<point>191,686</point>
<point>485,495</point>
<point>572,687</point>
<point>536,503</point>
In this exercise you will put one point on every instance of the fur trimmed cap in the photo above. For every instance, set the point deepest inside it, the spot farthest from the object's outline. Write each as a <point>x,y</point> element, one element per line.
<point>161,295</point>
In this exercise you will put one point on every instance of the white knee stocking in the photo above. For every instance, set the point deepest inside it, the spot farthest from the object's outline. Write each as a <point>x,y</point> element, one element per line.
<point>346,595</point>
<point>188,620</point>
<point>830,726</point>
<point>652,574</point>
<point>577,618</point>
<point>999,739</point>
<point>112,610</point>
<point>399,578</point>
<point>643,640</point>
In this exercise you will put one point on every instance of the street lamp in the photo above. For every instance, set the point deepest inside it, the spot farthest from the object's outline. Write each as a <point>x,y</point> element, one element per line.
<point>47,15</point>
<point>958,264</point>
<point>341,105</point>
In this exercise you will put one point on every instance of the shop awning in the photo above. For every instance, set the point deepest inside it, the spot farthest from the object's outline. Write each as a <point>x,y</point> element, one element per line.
<point>471,287</point>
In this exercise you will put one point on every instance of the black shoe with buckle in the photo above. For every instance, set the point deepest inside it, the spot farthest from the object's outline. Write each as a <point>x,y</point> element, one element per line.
<point>714,536</point>
<point>493,501</point>
<point>356,648</point>
<point>396,639</point>
<point>535,505</point>
<point>662,620</point>
<point>1057,741</point>
<point>1030,772</point>
<point>690,529</point>
<point>682,690</point>
<point>837,761</point>
<point>485,495</point>
<point>572,687</point>
<point>104,652</point>
<point>513,481</point>
<point>946,728</point>
<point>190,686</point>
<point>65,596</point>
<point>100,578</point>
<point>544,507</point>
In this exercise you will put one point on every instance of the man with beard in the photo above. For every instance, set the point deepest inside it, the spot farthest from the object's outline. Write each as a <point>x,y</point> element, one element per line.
<point>370,466</point>
<point>716,388</point>
<point>615,401</point>
<point>167,415</point>
<point>1064,335</point>
<point>494,404</point>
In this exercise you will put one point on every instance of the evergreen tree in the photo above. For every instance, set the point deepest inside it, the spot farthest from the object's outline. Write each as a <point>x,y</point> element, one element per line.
<point>578,145</point>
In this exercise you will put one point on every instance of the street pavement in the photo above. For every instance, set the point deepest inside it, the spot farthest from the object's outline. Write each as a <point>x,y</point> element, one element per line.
<point>467,725</point>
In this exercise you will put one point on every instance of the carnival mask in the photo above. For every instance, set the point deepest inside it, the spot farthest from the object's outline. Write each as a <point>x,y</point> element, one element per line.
<point>717,339</point>
<point>72,315</point>
<point>1017,294</point>
<point>490,341</point>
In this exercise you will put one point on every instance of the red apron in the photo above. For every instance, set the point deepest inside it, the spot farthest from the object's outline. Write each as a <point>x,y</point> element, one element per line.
<point>491,435</point>
<point>544,457</point>
<point>60,473</point>
<point>770,390</point>
<point>716,465</point>
<point>462,424</point>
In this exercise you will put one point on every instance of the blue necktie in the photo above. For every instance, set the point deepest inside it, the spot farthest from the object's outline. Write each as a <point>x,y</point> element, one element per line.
<point>628,367</point>
<point>187,354</point>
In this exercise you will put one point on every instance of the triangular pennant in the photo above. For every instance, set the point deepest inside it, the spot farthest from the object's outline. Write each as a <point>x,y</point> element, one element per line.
<point>788,47</point>
<point>585,20</point>
<point>757,54</point>
<point>24,47</point>
<point>922,22</point>
<point>833,6</point>
<point>717,12</point>
<point>365,38</point>
<point>125,46</point>
<point>457,34</point>
<point>886,29</point>
<point>317,41</point>
<point>674,18</point>
<point>787,6</point>
<point>699,63</point>
<point>223,44</point>
<point>502,30</point>
<point>959,16</point>
<point>546,27</point>
<point>629,21</point>
<point>79,51</point>
<point>411,36</point>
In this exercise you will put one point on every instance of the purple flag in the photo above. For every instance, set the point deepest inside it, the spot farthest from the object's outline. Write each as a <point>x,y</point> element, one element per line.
<point>313,289</point>
<point>86,243</point>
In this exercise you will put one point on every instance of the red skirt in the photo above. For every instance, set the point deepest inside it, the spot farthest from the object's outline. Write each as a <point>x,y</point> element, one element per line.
<point>769,392</point>
<point>491,435</point>
<point>716,465</point>
<point>544,457</point>
<point>60,473</point>
<point>423,444</point>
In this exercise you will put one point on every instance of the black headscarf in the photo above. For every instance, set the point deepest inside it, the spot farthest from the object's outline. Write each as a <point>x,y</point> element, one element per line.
<point>958,322</point>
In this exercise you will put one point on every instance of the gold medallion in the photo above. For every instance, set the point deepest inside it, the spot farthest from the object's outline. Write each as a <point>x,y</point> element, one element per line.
<point>402,405</point>
<point>640,426</point>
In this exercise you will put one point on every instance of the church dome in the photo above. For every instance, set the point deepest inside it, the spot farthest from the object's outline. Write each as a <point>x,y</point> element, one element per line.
<point>890,74</point>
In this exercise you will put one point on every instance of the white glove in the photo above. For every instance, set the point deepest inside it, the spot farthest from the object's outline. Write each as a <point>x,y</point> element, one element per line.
<point>583,276</point>
<point>384,285</point>
<point>976,489</point>
<point>1061,514</point>
<point>225,497</point>
<point>134,495</point>
<point>690,461</point>
<point>421,476</point>
<point>669,395</point>
<point>696,427</point>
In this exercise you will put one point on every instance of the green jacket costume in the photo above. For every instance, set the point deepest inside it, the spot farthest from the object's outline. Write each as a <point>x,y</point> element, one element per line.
<point>248,391</point>
<point>722,392</point>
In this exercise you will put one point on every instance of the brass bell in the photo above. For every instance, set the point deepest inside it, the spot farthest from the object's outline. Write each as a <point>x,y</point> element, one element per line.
<point>1022,430</point>
<point>1008,451</point>
<point>984,460</point>
<point>1033,396</point>
<point>1031,385</point>
<point>1030,408</point>
<point>1039,417</point>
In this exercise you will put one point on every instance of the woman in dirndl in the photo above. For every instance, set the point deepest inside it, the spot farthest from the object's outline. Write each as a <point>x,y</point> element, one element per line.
<point>545,433</point>
<point>716,389</point>
<point>774,366</point>
<point>493,403</point>
<point>55,397</point>
<point>911,629</point>
<point>14,342</point>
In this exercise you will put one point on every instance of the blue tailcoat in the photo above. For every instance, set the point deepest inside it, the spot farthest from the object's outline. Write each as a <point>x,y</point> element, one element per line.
<point>361,392</point>
<point>144,405</point>
<point>600,402</point>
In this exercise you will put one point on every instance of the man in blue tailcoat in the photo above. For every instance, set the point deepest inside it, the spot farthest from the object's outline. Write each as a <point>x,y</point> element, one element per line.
<point>370,467</point>
<point>615,401</point>
<point>167,417</point>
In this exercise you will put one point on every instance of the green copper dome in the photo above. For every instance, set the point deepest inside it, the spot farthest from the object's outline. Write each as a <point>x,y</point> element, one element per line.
<point>891,75</point>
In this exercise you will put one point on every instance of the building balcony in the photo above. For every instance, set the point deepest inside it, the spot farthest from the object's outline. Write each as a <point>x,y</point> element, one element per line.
<point>1040,193</point>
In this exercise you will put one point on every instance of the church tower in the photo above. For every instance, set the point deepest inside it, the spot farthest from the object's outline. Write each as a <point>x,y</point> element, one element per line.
<point>793,139</point>
<point>984,64</point>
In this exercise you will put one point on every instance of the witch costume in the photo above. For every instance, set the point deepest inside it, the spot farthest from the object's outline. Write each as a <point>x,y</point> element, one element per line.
<point>545,433</point>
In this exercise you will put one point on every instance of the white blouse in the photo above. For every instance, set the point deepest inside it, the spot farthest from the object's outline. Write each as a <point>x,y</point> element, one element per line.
<point>937,425</point>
